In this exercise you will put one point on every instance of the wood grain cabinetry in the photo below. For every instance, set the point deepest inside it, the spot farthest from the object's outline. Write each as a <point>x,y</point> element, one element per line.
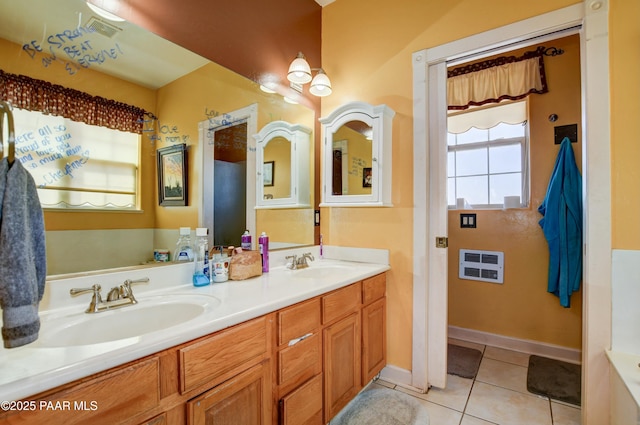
<point>244,399</point>
<point>297,366</point>
<point>374,329</point>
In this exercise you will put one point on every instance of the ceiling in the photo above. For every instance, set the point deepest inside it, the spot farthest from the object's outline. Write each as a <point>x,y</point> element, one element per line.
<point>46,24</point>
<point>254,38</point>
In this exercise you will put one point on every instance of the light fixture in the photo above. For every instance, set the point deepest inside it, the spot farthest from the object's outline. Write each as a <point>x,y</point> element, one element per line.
<point>100,10</point>
<point>320,86</point>
<point>300,73</point>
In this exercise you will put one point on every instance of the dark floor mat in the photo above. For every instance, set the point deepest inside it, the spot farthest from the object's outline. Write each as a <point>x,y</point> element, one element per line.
<point>463,361</point>
<point>555,379</point>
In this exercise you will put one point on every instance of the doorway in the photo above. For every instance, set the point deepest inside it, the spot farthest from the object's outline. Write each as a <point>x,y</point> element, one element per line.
<point>430,213</point>
<point>228,175</point>
<point>507,151</point>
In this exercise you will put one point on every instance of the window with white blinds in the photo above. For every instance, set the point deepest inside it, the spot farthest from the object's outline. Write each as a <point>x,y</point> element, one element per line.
<point>76,165</point>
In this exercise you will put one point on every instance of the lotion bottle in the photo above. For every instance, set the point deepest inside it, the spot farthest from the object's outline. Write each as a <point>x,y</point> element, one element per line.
<point>263,241</point>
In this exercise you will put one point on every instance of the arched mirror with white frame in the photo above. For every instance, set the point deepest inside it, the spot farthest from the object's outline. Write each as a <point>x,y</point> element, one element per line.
<point>282,160</point>
<point>357,155</point>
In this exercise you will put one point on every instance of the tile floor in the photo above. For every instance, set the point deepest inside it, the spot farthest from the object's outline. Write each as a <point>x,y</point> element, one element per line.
<point>498,395</point>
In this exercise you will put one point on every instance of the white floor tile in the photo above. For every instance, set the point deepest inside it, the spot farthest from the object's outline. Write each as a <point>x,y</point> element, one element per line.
<point>509,356</point>
<point>470,420</point>
<point>565,415</point>
<point>454,396</point>
<point>440,415</point>
<point>506,375</point>
<point>507,407</point>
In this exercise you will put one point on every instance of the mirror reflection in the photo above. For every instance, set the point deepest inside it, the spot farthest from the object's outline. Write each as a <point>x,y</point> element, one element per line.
<point>277,181</point>
<point>352,159</point>
<point>64,43</point>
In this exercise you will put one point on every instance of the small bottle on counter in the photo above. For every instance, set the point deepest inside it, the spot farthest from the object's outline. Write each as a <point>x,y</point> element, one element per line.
<point>201,274</point>
<point>184,251</point>
<point>245,241</point>
<point>263,241</point>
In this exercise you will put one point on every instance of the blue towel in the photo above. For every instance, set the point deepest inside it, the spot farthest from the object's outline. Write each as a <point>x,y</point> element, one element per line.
<point>23,261</point>
<point>562,225</point>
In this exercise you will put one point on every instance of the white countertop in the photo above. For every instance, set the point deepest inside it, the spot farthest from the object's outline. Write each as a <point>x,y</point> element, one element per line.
<point>31,369</point>
<point>627,366</point>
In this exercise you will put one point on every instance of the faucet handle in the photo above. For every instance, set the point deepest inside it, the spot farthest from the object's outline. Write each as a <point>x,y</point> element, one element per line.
<point>96,299</point>
<point>77,291</point>
<point>127,292</point>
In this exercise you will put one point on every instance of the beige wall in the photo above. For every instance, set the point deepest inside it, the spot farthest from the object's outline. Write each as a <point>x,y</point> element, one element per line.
<point>211,90</point>
<point>521,307</point>
<point>15,61</point>
<point>371,61</point>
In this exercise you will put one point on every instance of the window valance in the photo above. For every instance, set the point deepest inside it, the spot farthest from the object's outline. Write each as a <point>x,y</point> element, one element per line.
<point>506,77</point>
<point>52,99</point>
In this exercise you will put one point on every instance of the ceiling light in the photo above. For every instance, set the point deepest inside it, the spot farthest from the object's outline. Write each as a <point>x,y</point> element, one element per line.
<point>111,4</point>
<point>320,86</point>
<point>300,73</point>
<point>289,100</point>
<point>299,70</point>
<point>266,89</point>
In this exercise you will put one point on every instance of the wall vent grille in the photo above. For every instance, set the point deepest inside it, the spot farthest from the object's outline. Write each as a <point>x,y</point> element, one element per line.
<point>102,27</point>
<point>486,266</point>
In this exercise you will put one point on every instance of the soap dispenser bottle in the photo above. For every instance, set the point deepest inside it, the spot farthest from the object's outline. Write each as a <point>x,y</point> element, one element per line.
<point>201,275</point>
<point>184,251</point>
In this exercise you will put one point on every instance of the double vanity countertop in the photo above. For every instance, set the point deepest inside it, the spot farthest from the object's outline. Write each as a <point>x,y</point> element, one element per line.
<point>42,365</point>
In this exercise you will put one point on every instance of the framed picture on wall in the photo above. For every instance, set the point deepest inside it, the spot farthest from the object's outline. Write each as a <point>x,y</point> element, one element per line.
<point>172,175</point>
<point>267,173</point>
<point>366,177</point>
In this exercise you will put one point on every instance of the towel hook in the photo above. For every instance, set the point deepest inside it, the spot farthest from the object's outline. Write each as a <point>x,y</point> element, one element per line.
<point>5,109</point>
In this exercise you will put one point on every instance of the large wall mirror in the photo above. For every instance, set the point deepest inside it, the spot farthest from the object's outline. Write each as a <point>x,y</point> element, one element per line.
<point>357,155</point>
<point>67,44</point>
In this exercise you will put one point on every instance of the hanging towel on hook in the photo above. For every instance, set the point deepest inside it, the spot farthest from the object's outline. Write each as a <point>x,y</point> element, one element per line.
<point>23,263</point>
<point>562,225</point>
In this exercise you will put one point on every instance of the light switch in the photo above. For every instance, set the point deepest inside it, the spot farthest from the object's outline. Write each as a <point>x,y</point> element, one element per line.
<point>467,221</point>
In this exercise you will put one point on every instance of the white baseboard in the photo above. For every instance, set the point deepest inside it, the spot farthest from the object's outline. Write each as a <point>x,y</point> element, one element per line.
<point>558,352</point>
<point>400,377</point>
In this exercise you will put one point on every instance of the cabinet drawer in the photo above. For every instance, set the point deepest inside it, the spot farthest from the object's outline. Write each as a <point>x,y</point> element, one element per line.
<point>298,320</point>
<point>304,405</point>
<point>299,362</point>
<point>374,288</point>
<point>108,399</point>
<point>340,303</point>
<point>207,361</point>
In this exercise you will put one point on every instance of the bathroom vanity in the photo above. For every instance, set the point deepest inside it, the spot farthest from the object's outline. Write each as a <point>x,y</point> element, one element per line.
<point>289,347</point>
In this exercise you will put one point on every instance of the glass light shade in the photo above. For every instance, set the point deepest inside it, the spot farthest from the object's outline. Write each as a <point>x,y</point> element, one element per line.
<point>299,70</point>
<point>321,85</point>
<point>103,12</point>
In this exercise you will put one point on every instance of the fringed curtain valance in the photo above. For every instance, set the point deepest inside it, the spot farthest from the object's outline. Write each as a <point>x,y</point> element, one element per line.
<point>491,81</point>
<point>37,95</point>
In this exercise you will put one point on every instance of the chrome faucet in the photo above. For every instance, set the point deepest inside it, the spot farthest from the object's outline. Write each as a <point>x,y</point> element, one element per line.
<point>118,296</point>
<point>299,263</point>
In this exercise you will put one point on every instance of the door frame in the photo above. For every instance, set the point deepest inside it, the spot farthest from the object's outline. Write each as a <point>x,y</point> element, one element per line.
<point>430,202</point>
<point>248,114</point>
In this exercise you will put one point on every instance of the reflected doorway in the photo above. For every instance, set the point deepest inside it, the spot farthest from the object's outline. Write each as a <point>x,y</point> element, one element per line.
<point>228,175</point>
<point>229,184</point>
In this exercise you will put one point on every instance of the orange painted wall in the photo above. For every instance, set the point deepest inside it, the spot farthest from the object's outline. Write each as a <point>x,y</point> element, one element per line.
<point>624,42</point>
<point>521,307</point>
<point>15,61</point>
<point>370,60</point>
<point>214,89</point>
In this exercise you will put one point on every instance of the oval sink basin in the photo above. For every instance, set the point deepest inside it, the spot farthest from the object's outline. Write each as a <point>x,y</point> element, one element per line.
<point>149,315</point>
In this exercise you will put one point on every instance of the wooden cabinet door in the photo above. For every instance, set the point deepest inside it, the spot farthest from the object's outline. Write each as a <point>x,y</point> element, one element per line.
<point>244,399</point>
<point>341,364</point>
<point>304,405</point>
<point>374,339</point>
